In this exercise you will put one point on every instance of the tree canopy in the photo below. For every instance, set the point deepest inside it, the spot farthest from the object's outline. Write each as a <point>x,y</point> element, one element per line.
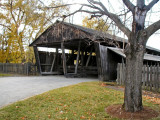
<point>97,24</point>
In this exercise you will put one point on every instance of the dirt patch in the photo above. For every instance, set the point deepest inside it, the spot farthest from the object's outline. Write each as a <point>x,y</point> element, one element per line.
<point>118,112</point>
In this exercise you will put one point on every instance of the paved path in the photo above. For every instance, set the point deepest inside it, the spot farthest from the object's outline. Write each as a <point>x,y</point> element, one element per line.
<point>13,89</point>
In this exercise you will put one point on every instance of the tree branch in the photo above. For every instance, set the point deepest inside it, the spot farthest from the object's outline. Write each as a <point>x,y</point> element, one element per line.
<point>6,26</point>
<point>102,11</point>
<point>151,4</point>
<point>63,5</point>
<point>153,28</point>
<point>112,16</point>
<point>120,25</point>
<point>129,5</point>
<point>140,4</point>
<point>11,11</point>
<point>81,10</point>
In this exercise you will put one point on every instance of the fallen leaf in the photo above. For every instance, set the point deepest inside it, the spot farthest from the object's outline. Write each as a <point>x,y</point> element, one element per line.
<point>82,117</point>
<point>49,116</point>
<point>61,112</point>
<point>17,106</point>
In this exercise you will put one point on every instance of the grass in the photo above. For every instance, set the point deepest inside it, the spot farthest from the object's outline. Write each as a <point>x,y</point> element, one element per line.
<point>4,75</point>
<point>82,101</point>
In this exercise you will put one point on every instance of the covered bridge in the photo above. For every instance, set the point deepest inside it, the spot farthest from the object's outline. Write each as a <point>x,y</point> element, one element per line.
<point>80,52</point>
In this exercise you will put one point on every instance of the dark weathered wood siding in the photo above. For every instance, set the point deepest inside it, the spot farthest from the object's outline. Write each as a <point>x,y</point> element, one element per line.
<point>107,63</point>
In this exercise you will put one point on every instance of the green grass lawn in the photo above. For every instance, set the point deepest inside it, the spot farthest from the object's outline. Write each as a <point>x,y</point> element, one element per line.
<point>4,75</point>
<point>82,101</point>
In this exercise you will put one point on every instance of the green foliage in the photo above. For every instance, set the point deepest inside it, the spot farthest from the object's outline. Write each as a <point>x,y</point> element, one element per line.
<point>82,101</point>
<point>21,22</point>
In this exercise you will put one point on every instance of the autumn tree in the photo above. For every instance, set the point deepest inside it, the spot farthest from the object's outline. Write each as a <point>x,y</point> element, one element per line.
<point>21,22</point>
<point>138,35</point>
<point>96,23</point>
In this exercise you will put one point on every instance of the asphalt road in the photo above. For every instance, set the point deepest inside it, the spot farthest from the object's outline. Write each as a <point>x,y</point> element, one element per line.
<point>13,89</point>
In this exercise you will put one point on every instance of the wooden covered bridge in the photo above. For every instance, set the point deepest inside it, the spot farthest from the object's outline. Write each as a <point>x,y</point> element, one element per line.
<point>80,52</point>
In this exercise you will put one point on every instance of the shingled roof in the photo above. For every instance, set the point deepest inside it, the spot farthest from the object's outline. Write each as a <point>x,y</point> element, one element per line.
<point>146,56</point>
<point>91,32</point>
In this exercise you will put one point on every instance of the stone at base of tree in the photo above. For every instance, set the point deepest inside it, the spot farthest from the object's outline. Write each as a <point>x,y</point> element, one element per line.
<point>118,112</point>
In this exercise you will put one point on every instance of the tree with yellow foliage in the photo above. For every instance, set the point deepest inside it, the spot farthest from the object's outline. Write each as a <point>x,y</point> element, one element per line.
<point>21,22</point>
<point>97,24</point>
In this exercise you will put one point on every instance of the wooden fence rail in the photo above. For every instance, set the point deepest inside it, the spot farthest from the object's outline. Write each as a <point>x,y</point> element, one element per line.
<point>150,77</point>
<point>24,69</point>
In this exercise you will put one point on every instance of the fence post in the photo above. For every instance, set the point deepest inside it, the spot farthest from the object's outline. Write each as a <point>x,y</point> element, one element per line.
<point>3,68</point>
<point>143,76</point>
<point>118,74</point>
<point>27,69</point>
<point>150,77</point>
<point>124,73</point>
<point>158,79</point>
<point>155,77</point>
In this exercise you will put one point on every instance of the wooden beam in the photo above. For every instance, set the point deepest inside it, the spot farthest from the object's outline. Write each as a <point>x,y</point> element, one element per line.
<point>64,59</point>
<point>89,57</point>
<point>54,59</point>
<point>48,61</point>
<point>37,59</point>
<point>98,59</point>
<point>82,58</point>
<point>57,60</point>
<point>77,60</point>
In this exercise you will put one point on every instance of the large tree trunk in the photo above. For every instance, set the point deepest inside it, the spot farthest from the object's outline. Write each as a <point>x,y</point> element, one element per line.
<point>134,62</point>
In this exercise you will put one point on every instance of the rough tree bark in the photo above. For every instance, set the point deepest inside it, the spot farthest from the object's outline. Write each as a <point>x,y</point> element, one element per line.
<point>134,62</point>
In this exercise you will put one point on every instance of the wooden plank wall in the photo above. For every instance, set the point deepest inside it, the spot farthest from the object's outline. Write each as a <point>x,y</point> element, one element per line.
<point>98,59</point>
<point>23,69</point>
<point>150,77</point>
<point>104,62</point>
<point>37,58</point>
<point>108,63</point>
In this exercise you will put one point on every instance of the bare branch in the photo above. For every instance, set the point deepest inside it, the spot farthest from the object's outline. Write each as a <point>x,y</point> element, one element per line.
<point>153,28</point>
<point>151,4</point>
<point>81,10</point>
<point>129,5</point>
<point>120,25</point>
<point>102,11</point>
<point>100,4</point>
<point>94,2</point>
<point>124,13</point>
<point>114,17</point>
<point>41,2</point>
<point>63,5</point>
<point>6,26</point>
<point>11,11</point>
<point>92,6</point>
